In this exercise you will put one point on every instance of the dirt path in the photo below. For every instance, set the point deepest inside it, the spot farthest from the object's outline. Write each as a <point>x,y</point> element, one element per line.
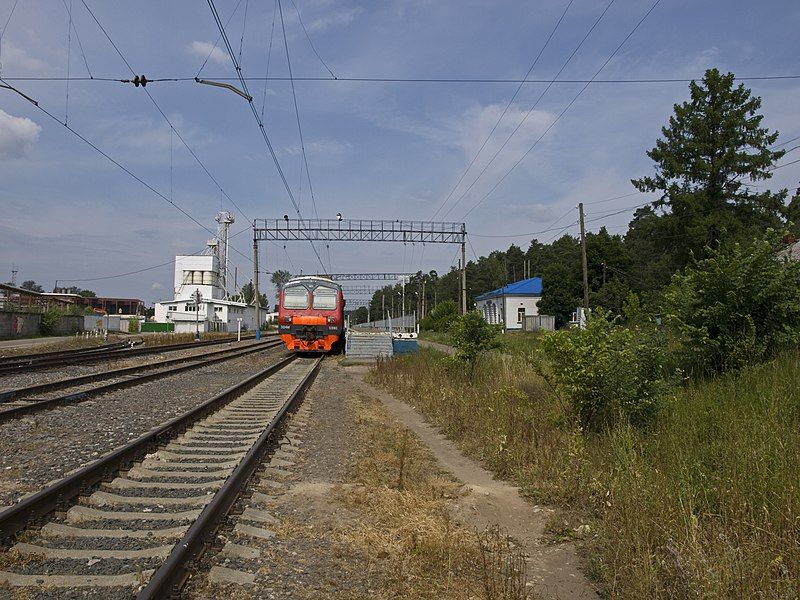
<point>552,568</point>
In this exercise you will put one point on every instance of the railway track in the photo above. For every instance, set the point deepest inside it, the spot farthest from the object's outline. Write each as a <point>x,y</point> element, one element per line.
<point>31,362</point>
<point>147,510</point>
<point>26,400</point>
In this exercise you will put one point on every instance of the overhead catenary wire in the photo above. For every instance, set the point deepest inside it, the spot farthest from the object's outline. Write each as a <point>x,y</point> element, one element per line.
<point>213,47</point>
<point>269,58</point>
<point>505,110</point>
<point>77,37</point>
<point>566,108</point>
<point>260,123</point>
<point>166,118</point>
<point>413,80</point>
<point>311,43</point>
<point>114,161</point>
<point>531,109</point>
<point>297,111</point>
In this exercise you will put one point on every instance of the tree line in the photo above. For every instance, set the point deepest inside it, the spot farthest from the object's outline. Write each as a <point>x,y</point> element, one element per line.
<point>709,166</point>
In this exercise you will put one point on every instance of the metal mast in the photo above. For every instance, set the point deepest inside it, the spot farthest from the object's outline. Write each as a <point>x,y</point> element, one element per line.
<point>225,219</point>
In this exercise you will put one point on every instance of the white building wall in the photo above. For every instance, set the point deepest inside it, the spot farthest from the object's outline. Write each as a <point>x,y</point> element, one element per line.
<point>514,304</point>
<point>197,273</point>
<point>213,315</point>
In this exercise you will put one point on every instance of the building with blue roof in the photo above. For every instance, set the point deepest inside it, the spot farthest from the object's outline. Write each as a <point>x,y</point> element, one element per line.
<point>509,305</point>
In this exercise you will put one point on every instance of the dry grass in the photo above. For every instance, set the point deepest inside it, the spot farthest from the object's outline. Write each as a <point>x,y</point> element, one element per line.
<point>403,505</point>
<point>705,504</point>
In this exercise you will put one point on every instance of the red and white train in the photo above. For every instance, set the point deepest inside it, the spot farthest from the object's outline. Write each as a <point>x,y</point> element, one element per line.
<point>311,314</point>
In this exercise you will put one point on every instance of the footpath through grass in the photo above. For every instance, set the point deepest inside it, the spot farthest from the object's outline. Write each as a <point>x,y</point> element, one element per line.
<point>703,504</point>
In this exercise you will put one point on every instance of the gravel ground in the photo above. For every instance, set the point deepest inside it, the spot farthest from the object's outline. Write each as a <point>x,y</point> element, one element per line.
<point>294,567</point>
<point>46,446</point>
<point>47,375</point>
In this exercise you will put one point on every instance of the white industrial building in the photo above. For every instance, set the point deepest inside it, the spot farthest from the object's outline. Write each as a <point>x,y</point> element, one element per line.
<point>205,274</point>
<point>509,305</point>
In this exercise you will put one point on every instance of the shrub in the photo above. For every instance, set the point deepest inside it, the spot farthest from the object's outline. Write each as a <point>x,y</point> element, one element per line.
<point>441,317</point>
<point>49,321</point>
<point>472,336</point>
<point>133,326</point>
<point>609,373</point>
<point>736,307</point>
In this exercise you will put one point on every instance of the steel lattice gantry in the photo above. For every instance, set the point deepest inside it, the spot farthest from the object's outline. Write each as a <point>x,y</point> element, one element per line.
<point>360,230</point>
<point>367,276</point>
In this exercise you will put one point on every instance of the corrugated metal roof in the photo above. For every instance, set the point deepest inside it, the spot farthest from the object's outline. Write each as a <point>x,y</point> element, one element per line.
<point>525,287</point>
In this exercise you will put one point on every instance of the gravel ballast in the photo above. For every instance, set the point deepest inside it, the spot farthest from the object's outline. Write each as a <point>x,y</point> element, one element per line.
<point>46,446</point>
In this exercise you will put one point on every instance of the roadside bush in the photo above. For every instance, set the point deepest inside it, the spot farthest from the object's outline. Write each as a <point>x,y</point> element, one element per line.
<point>49,321</point>
<point>441,317</point>
<point>611,374</point>
<point>472,336</point>
<point>133,326</point>
<point>736,307</point>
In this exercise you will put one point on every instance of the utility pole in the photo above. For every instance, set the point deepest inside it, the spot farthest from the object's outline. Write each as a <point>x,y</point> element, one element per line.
<point>256,299</point>
<point>463,272</point>
<point>583,260</point>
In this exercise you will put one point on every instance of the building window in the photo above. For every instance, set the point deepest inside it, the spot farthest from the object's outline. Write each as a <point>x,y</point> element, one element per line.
<point>217,309</point>
<point>173,308</point>
<point>520,315</point>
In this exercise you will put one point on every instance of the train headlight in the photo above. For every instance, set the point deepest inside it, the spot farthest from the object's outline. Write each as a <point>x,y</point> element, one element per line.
<point>331,320</point>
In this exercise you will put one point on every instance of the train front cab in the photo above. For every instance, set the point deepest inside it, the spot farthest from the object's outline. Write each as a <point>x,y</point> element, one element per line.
<point>310,320</point>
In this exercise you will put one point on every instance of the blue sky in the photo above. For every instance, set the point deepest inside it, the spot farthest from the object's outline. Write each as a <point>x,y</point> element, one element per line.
<point>375,150</point>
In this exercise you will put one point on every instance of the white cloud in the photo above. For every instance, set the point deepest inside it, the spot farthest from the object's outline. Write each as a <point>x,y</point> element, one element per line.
<point>338,18</point>
<point>17,61</point>
<point>207,49</point>
<point>17,135</point>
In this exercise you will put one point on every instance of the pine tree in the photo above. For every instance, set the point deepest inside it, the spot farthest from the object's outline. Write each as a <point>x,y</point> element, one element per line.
<point>714,144</point>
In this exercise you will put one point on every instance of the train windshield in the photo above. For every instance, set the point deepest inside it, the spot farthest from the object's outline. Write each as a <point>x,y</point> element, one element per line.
<point>295,297</point>
<point>324,298</point>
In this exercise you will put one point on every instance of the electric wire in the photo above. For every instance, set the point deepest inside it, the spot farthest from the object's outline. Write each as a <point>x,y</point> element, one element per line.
<point>420,80</point>
<point>167,119</point>
<point>69,53</point>
<point>530,110</point>
<point>310,43</point>
<point>297,111</point>
<point>260,123</point>
<point>210,52</point>
<point>114,161</point>
<point>566,108</point>
<point>505,110</point>
<point>78,38</point>
<point>3,32</point>
<point>269,58</point>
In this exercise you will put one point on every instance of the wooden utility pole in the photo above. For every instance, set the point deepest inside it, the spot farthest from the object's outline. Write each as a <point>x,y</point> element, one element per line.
<point>583,260</point>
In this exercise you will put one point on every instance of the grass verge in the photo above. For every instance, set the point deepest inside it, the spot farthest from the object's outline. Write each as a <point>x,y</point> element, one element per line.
<point>704,504</point>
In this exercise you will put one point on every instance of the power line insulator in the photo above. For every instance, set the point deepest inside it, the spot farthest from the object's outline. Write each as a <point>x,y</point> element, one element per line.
<point>139,80</point>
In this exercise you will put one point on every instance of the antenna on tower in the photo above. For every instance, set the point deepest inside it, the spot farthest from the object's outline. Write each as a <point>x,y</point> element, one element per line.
<point>14,271</point>
<point>224,219</point>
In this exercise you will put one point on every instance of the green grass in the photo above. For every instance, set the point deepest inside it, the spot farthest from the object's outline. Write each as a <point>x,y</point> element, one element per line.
<point>439,337</point>
<point>704,504</point>
<point>512,342</point>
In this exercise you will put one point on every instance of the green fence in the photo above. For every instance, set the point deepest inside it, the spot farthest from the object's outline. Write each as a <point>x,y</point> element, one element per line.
<point>157,327</point>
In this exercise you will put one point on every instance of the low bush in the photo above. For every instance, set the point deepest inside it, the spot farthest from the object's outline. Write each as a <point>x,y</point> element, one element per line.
<point>49,321</point>
<point>736,307</point>
<point>472,336</point>
<point>441,317</point>
<point>609,373</point>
